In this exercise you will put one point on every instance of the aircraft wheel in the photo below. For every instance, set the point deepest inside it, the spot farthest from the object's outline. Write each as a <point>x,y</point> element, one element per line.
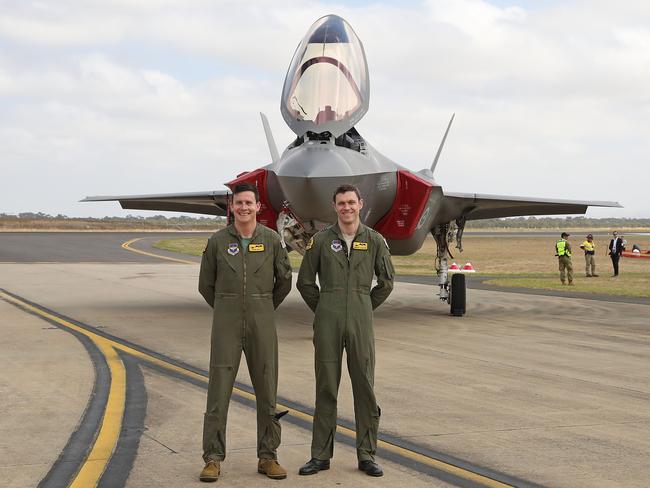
<point>457,295</point>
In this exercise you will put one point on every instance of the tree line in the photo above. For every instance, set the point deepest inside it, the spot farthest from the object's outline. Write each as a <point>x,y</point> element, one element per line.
<point>556,223</point>
<point>155,219</point>
<point>210,221</point>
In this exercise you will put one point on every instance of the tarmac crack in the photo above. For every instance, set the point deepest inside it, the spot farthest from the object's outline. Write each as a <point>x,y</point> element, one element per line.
<point>159,443</point>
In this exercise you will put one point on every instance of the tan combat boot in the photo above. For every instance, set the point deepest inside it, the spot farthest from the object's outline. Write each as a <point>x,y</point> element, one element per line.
<point>272,469</point>
<point>211,471</point>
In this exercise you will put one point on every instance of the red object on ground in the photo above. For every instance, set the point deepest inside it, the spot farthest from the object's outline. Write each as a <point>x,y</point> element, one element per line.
<point>453,268</point>
<point>468,268</point>
<point>411,199</point>
<point>267,215</point>
<point>642,254</point>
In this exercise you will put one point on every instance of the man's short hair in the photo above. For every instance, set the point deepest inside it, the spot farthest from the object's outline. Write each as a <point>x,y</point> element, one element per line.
<point>344,189</point>
<point>242,187</point>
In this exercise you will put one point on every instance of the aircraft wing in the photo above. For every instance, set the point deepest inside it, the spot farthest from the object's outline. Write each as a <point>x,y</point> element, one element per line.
<point>475,206</point>
<point>208,202</point>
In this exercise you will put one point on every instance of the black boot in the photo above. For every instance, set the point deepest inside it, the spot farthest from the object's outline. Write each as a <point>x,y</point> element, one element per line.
<point>371,468</point>
<point>313,466</point>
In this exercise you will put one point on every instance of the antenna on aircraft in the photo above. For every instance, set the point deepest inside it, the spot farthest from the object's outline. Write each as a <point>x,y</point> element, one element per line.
<point>442,143</point>
<point>273,149</point>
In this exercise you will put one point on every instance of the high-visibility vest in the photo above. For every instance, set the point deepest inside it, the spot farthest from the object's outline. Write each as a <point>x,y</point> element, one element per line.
<point>561,247</point>
<point>589,246</point>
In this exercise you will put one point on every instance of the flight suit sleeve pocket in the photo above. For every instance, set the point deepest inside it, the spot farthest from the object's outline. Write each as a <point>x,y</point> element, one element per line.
<point>286,267</point>
<point>388,266</point>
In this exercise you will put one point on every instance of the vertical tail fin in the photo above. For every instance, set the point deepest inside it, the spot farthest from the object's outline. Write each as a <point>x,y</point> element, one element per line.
<point>269,138</point>
<point>442,143</point>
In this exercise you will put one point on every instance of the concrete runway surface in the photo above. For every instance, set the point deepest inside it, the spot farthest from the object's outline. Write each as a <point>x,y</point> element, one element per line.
<point>103,381</point>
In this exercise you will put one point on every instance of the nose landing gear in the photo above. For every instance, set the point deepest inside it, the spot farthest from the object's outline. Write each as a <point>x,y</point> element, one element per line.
<point>452,290</point>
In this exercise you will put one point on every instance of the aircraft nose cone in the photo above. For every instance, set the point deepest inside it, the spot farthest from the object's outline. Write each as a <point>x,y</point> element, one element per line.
<point>311,161</point>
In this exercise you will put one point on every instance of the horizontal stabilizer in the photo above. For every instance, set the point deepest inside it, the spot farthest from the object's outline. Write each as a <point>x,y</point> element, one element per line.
<point>209,202</point>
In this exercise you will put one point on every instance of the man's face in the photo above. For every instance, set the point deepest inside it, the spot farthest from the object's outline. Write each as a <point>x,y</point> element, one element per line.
<point>244,207</point>
<point>348,206</point>
<point>615,234</point>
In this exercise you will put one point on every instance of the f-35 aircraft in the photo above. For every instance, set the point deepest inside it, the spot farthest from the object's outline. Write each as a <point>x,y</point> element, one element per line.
<point>325,93</point>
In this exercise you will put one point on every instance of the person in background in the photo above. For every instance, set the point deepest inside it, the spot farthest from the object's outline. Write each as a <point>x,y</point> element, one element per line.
<point>589,247</point>
<point>616,247</point>
<point>563,253</point>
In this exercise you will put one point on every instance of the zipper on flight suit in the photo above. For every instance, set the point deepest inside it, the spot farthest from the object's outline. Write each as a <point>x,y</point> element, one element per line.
<point>243,335</point>
<point>348,254</point>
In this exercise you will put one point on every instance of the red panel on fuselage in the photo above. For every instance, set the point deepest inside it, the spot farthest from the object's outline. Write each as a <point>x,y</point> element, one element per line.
<point>267,215</point>
<point>411,199</point>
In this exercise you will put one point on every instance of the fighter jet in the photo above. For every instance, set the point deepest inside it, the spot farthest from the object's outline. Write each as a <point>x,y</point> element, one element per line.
<point>326,92</point>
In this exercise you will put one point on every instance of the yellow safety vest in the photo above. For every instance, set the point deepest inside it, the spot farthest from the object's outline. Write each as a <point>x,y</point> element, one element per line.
<point>561,247</point>
<point>589,246</point>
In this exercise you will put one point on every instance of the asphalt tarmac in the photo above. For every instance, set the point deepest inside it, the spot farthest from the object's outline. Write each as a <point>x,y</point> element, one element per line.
<point>103,364</point>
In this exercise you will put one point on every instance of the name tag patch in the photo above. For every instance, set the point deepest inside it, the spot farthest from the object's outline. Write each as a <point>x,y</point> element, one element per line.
<point>233,248</point>
<point>336,245</point>
<point>255,247</point>
<point>360,246</point>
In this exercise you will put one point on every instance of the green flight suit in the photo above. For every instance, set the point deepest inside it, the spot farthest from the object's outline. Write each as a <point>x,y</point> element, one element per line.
<point>243,286</point>
<point>343,320</point>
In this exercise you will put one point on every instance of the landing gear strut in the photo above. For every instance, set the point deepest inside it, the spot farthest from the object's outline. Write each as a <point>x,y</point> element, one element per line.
<point>292,231</point>
<point>451,291</point>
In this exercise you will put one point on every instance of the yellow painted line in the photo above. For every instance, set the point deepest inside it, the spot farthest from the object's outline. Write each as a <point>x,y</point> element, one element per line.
<point>107,343</point>
<point>109,432</point>
<point>127,246</point>
<point>421,458</point>
<point>106,441</point>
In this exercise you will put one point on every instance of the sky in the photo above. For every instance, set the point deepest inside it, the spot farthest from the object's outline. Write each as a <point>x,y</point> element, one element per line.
<point>119,97</point>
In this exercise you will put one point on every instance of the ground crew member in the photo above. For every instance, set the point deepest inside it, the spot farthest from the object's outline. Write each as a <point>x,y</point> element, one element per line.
<point>345,257</point>
<point>589,247</point>
<point>563,253</point>
<point>245,275</point>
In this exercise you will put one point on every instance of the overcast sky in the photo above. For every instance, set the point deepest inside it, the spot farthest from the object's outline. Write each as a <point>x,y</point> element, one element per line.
<point>552,98</point>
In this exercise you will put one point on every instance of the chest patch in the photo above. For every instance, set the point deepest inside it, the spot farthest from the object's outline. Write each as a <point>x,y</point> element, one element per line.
<point>360,246</point>
<point>336,245</point>
<point>233,248</point>
<point>255,247</point>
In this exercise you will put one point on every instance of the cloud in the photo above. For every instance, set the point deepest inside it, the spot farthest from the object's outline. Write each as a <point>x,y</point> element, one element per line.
<point>163,96</point>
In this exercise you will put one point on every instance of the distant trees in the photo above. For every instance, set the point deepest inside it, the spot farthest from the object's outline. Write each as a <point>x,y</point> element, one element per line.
<point>555,223</point>
<point>41,220</point>
<point>212,221</point>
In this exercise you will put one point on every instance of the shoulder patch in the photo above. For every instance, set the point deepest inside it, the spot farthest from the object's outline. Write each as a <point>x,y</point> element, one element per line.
<point>310,244</point>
